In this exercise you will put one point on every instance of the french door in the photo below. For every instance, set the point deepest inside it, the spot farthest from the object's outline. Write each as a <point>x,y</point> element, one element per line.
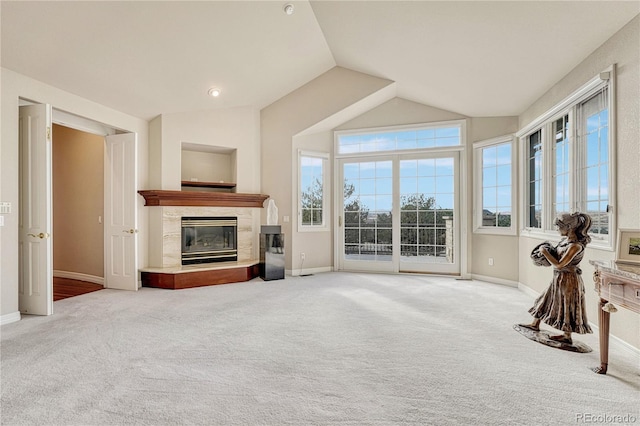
<point>399,213</point>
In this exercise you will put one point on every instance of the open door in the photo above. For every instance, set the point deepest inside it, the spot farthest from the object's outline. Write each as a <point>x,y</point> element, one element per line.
<point>35,286</point>
<point>121,231</point>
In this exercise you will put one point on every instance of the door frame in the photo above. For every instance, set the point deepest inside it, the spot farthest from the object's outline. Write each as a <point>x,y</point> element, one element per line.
<point>368,266</point>
<point>460,205</point>
<point>436,268</point>
<point>463,219</point>
<point>80,123</point>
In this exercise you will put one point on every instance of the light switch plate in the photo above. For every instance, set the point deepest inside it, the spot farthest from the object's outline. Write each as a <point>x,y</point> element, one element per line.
<point>5,207</point>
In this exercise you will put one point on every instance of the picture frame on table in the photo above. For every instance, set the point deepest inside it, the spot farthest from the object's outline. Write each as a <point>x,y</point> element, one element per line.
<point>628,250</point>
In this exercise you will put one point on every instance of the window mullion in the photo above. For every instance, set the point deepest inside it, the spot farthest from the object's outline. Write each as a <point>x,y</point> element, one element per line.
<point>547,179</point>
<point>576,181</point>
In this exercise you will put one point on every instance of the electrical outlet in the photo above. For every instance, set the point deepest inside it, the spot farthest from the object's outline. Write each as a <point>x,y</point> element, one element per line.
<point>638,293</point>
<point>302,256</point>
<point>491,261</point>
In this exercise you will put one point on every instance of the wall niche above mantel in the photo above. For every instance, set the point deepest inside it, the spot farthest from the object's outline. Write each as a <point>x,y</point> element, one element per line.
<point>157,197</point>
<point>204,165</point>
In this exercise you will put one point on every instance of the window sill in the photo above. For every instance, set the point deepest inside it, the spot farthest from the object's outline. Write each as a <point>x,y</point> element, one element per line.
<point>313,228</point>
<point>507,232</point>
<point>555,237</point>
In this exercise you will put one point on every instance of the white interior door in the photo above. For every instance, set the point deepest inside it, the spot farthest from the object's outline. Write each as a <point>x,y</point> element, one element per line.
<point>35,223</point>
<point>121,231</point>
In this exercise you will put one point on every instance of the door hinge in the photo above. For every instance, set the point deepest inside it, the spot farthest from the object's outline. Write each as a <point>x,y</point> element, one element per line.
<point>48,133</point>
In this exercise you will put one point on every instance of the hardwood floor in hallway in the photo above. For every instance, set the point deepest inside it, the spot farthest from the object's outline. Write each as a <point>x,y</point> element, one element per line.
<point>66,287</point>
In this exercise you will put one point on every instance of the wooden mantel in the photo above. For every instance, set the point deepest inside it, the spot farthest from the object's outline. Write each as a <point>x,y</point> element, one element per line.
<point>159,197</point>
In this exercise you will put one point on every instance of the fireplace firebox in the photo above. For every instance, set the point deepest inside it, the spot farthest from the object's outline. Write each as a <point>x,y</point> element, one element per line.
<point>209,239</point>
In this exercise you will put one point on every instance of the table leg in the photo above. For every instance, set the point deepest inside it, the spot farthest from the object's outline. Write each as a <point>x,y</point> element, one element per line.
<point>603,323</point>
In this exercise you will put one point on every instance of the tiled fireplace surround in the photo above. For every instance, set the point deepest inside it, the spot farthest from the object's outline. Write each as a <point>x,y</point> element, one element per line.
<point>172,228</point>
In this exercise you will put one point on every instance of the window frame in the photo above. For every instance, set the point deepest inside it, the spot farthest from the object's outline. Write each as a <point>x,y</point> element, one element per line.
<point>478,186</point>
<point>604,81</point>
<point>324,226</point>
<point>460,124</point>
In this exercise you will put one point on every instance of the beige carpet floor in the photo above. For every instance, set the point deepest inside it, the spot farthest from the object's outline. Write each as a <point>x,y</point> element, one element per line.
<point>329,349</point>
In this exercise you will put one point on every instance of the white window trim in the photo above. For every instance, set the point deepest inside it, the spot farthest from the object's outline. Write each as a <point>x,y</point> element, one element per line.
<point>544,122</point>
<point>460,123</point>
<point>324,227</point>
<point>478,228</point>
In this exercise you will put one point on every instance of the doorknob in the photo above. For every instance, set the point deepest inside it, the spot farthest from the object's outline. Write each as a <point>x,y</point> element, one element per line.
<point>41,235</point>
<point>131,231</point>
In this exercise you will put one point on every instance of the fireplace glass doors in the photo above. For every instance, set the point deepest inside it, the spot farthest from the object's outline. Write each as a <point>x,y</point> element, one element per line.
<point>209,239</point>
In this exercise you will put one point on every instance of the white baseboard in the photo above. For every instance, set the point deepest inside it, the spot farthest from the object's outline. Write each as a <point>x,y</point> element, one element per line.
<point>308,271</point>
<point>528,290</point>
<point>617,342</point>
<point>494,280</point>
<point>79,276</point>
<point>9,318</point>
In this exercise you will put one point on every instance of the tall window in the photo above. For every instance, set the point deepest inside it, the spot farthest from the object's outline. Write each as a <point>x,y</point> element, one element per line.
<point>313,192</point>
<point>534,162</point>
<point>494,186</point>
<point>593,134</point>
<point>568,161</point>
<point>561,141</point>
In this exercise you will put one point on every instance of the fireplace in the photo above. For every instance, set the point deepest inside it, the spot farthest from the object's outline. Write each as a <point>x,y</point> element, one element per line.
<point>209,239</point>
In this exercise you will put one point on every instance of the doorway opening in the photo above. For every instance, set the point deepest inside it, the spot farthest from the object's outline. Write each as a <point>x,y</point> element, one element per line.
<point>119,204</point>
<point>78,211</point>
<point>398,194</point>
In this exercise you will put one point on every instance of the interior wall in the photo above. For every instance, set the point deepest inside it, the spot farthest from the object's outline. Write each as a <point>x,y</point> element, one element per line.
<point>206,166</point>
<point>316,245</point>
<point>237,129</point>
<point>319,100</point>
<point>78,202</point>
<point>504,249</point>
<point>234,128</point>
<point>621,49</point>
<point>319,246</point>
<point>15,86</point>
<point>400,111</point>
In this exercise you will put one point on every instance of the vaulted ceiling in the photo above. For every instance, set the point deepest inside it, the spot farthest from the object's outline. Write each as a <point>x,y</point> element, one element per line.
<point>147,58</point>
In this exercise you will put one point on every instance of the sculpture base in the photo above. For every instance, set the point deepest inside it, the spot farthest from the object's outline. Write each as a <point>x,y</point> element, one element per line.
<point>542,336</point>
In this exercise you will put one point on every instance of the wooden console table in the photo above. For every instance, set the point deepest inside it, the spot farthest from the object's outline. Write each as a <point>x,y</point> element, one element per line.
<point>617,283</point>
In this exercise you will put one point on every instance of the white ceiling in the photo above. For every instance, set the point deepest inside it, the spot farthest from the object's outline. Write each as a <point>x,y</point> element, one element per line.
<point>147,58</point>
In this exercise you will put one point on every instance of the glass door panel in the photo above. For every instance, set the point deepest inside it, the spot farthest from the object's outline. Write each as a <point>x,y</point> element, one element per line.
<point>399,214</point>
<point>367,211</point>
<point>427,213</point>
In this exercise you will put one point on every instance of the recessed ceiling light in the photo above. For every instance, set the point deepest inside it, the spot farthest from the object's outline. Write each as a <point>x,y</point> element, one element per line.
<point>214,91</point>
<point>288,9</point>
